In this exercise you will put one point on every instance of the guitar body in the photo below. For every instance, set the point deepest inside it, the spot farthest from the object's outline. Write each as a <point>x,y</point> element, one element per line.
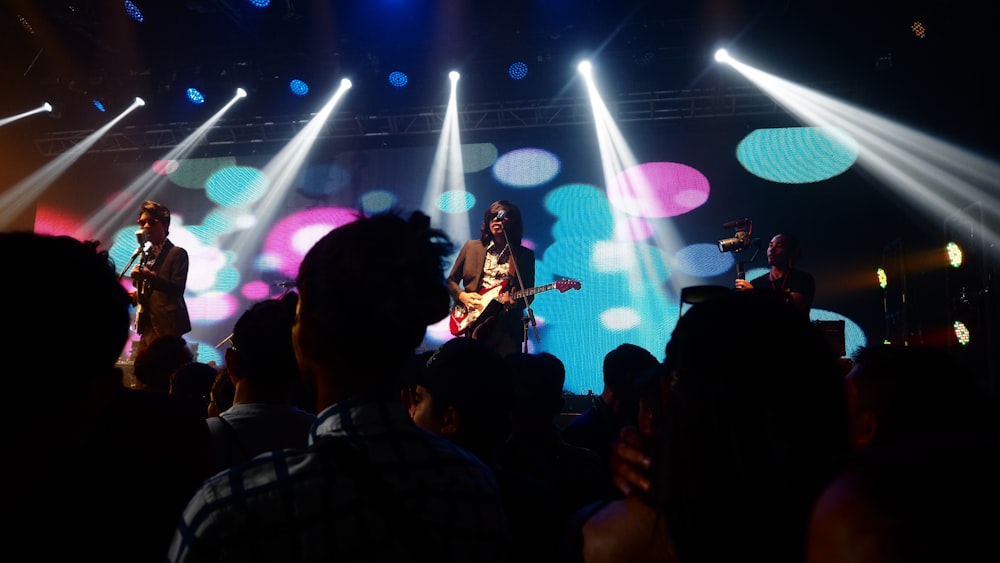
<point>462,320</point>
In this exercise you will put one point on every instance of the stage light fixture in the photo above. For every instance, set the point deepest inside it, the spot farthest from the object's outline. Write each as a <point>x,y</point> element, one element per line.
<point>241,93</point>
<point>918,29</point>
<point>955,254</point>
<point>133,11</point>
<point>453,76</point>
<point>398,79</point>
<point>47,107</point>
<point>883,280</point>
<point>584,67</point>
<point>298,87</point>
<point>518,70</point>
<point>962,334</point>
<point>98,104</point>
<point>260,3</point>
<point>139,101</point>
<point>25,25</point>
<point>194,96</point>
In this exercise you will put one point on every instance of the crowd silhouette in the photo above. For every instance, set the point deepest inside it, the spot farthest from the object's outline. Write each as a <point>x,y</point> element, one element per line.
<point>723,449</point>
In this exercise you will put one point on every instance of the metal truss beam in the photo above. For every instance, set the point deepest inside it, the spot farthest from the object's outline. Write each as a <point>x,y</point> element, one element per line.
<point>627,108</point>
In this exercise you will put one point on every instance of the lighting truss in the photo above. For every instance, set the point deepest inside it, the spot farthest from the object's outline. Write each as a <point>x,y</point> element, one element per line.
<point>633,107</point>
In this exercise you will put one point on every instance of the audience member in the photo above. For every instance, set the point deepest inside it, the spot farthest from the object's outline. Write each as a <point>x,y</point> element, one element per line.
<point>551,479</point>
<point>193,382</point>
<point>371,485</point>
<point>101,471</point>
<point>918,422</point>
<point>261,365</point>
<point>462,395</point>
<point>223,393</point>
<point>616,406</point>
<point>899,393</point>
<point>156,363</point>
<point>926,500</point>
<point>745,448</point>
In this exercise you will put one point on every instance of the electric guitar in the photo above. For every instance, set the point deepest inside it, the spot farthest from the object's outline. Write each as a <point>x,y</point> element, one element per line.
<point>142,287</point>
<point>463,320</point>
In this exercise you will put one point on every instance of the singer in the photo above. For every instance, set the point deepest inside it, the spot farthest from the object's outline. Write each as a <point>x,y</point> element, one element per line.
<point>485,263</point>
<point>160,278</point>
<point>783,252</point>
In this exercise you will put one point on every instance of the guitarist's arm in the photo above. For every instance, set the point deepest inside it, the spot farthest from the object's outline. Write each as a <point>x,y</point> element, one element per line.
<point>462,277</point>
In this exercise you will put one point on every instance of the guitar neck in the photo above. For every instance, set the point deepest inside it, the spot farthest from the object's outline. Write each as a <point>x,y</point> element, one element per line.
<point>532,290</point>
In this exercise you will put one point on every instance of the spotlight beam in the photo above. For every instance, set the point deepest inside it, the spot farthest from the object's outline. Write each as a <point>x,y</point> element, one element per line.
<point>148,183</point>
<point>939,179</point>
<point>616,158</point>
<point>447,170</point>
<point>46,107</point>
<point>18,197</point>
<point>282,170</point>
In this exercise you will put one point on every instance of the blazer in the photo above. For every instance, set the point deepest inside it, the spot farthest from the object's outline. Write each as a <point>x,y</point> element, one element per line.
<point>467,272</point>
<point>163,306</point>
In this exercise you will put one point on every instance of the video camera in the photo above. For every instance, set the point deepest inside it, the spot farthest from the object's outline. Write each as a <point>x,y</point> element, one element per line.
<point>739,241</point>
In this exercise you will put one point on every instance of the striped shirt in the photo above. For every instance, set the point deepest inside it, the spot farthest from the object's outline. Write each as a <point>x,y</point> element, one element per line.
<point>371,486</point>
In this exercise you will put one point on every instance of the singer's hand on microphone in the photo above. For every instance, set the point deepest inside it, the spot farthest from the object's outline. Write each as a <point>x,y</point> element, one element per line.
<point>140,274</point>
<point>743,284</point>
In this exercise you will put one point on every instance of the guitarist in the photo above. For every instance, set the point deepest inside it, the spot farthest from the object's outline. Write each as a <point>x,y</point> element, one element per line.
<point>159,279</point>
<point>486,262</point>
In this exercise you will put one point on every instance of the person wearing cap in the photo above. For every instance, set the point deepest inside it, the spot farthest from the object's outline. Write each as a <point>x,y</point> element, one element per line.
<point>461,395</point>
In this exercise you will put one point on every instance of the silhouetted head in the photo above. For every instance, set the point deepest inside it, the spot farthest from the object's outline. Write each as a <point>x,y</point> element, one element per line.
<point>62,330</point>
<point>262,350</point>
<point>367,292</point>
<point>754,426</point>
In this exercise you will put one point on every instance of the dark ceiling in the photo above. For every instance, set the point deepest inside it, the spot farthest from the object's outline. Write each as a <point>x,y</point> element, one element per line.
<point>69,51</point>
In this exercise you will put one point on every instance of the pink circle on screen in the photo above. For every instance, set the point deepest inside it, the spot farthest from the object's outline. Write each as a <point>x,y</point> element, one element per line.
<point>290,239</point>
<point>658,189</point>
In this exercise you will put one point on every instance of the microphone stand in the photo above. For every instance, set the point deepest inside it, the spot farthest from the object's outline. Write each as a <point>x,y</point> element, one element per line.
<point>530,315</point>
<point>130,261</point>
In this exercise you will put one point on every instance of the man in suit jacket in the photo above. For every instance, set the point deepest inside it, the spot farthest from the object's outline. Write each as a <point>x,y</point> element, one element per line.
<point>487,262</point>
<point>160,278</point>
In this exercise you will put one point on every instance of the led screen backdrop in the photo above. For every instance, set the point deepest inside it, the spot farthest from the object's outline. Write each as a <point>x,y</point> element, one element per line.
<point>631,250</point>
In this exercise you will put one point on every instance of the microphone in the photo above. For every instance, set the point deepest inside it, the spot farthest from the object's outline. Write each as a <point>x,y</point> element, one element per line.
<point>142,249</point>
<point>500,215</point>
<point>285,284</point>
<point>735,224</point>
<point>141,237</point>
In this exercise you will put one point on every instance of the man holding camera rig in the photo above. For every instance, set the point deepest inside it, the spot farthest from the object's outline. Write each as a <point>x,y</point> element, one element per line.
<point>782,253</point>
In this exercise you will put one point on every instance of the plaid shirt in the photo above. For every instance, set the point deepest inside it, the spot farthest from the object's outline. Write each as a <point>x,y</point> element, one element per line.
<point>371,486</point>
